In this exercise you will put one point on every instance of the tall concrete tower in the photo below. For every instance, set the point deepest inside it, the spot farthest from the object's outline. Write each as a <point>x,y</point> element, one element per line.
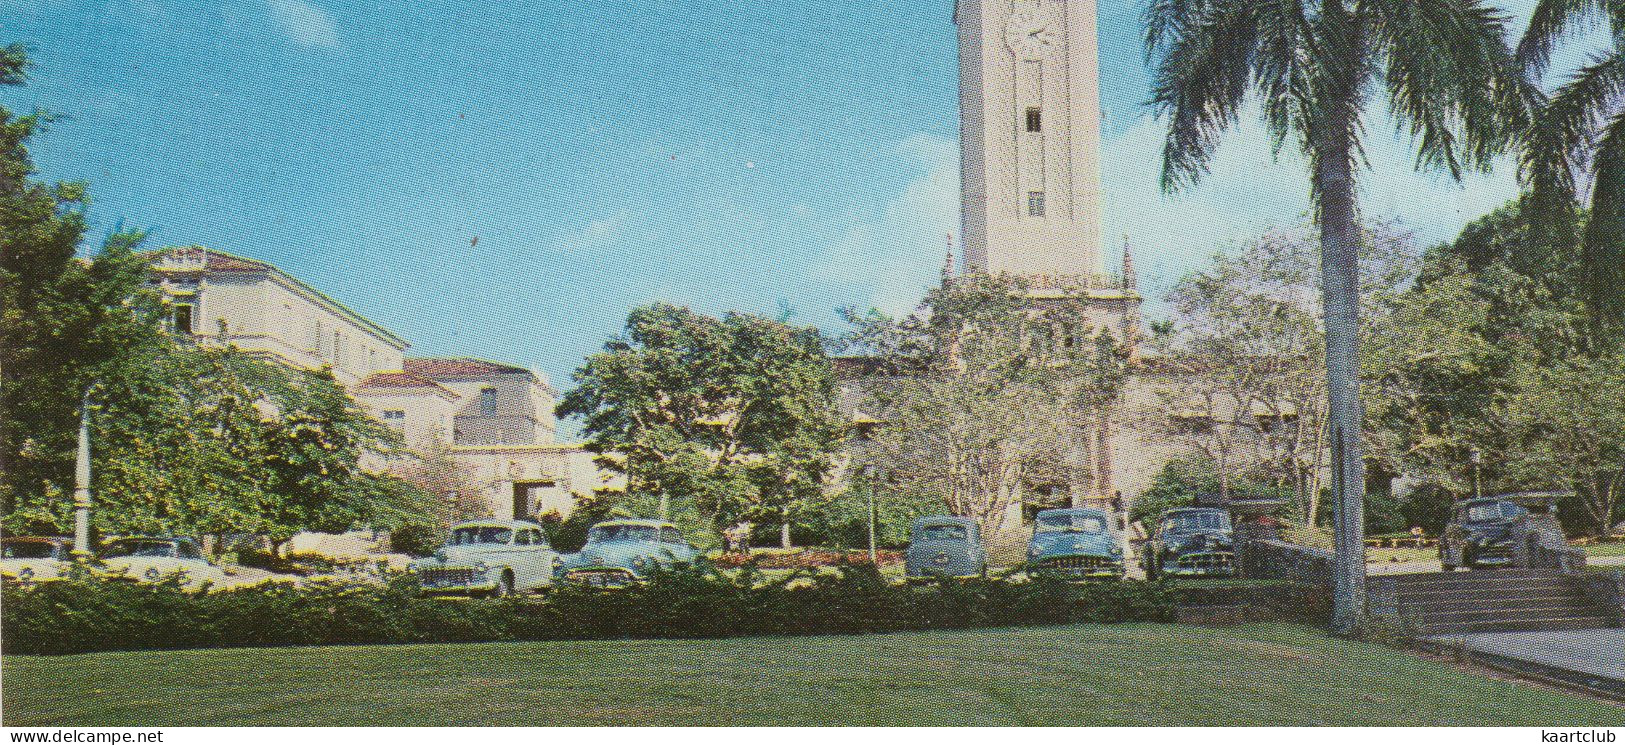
<point>1029,107</point>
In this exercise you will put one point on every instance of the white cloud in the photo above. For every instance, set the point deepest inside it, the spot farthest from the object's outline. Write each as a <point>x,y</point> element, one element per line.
<point>305,23</point>
<point>884,251</point>
<point>1249,191</point>
<point>599,233</point>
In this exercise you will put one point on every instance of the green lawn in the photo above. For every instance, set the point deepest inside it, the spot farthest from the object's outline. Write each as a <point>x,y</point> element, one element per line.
<point>1073,675</point>
<point>1615,548</point>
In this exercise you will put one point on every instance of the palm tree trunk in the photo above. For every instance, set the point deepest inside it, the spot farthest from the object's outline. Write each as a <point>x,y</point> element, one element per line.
<point>1339,245</point>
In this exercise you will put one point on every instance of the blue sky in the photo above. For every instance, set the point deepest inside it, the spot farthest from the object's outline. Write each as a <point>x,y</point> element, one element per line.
<point>727,155</point>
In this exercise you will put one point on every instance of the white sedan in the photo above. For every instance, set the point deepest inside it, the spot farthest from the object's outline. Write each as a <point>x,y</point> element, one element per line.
<point>155,559</point>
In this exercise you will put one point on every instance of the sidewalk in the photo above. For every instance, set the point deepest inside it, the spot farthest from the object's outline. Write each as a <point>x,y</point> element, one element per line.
<point>1592,658</point>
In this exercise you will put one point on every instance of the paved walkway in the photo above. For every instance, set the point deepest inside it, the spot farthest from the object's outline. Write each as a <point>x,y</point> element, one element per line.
<point>1594,652</point>
<point>1432,565</point>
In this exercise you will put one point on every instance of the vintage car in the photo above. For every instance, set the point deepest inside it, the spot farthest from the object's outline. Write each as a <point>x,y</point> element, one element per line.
<point>1191,541</point>
<point>34,559</point>
<point>1500,530</point>
<point>621,552</point>
<point>943,546</point>
<point>1076,543</point>
<point>156,559</point>
<point>489,557</point>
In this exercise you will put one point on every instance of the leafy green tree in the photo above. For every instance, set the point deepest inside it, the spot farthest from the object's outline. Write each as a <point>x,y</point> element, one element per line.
<point>1568,423</point>
<point>732,417</point>
<point>1447,75</point>
<point>1577,145</point>
<point>985,396</point>
<point>64,323</point>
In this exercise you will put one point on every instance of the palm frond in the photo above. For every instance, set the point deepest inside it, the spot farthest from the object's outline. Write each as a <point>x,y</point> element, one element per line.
<point>1555,19</point>
<point>1202,80</point>
<point>1561,142</point>
<point>1286,49</point>
<point>1452,81</point>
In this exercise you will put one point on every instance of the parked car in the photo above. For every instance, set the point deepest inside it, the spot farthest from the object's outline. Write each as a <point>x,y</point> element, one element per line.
<point>622,552</point>
<point>944,546</point>
<point>28,559</point>
<point>1499,530</point>
<point>155,559</point>
<point>1191,541</point>
<point>1076,543</point>
<point>489,557</point>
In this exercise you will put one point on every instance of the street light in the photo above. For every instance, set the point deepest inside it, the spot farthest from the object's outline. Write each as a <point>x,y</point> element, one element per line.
<point>1477,457</point>
<point>81,486</point>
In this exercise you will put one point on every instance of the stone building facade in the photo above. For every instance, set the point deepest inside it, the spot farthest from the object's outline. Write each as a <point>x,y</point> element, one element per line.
<point>494,419</point>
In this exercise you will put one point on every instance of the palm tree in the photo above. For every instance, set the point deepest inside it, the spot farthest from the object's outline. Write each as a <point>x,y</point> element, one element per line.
<point>1314,66</point>
<point>1577,144</point>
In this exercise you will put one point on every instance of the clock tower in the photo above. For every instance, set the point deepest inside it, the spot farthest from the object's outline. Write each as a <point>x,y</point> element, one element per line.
<point>1029,106</point>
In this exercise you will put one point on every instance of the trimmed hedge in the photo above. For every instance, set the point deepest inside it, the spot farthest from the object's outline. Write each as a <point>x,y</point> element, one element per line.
<point>87,615</point>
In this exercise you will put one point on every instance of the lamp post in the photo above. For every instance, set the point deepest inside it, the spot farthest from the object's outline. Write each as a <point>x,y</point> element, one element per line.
<point>869,491</point>
<point>81,487</point>
<point>1477,456</point>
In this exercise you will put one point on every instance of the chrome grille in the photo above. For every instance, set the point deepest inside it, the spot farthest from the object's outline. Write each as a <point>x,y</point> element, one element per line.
<point>1216,561</point>
<point>1077,562</point>
<point>446,576</point>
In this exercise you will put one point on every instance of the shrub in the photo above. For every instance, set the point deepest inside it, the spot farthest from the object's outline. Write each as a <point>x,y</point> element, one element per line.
<point>415,539</point>
<point>83,614</point>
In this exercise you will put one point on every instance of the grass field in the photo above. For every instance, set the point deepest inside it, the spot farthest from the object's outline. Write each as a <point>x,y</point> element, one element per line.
<point>1071,675</point>
<point>1615,548</point>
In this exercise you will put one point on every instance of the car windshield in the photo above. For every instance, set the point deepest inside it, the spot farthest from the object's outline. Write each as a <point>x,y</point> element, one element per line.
<point>29,550</point>
<point>1492,511</point>
<point>1071,524</point>
<point>623,533</point>
<point>476,534</point>
<point>1190,522</point>
<point>943,533</point>
<point>161,549</point>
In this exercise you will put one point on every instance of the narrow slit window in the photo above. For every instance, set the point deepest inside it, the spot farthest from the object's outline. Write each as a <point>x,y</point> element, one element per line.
<point>1035,119</point>
<point>1035,204</point>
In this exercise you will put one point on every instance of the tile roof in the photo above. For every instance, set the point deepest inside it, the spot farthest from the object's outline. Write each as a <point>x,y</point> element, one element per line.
<point>187,259</point>
<point>438,367</point>
<point>402,380</point>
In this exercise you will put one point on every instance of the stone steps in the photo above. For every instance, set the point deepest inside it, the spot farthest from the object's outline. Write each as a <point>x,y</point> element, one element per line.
<point>1501,600</point>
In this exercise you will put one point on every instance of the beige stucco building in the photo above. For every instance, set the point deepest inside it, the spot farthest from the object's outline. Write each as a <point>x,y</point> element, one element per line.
<point>496,420</point>
<point>218,297</point>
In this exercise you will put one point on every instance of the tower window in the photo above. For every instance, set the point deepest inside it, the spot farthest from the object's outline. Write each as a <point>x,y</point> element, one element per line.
<point>1035,119</point>
<point>1035,204</point>
<point>488,402</point>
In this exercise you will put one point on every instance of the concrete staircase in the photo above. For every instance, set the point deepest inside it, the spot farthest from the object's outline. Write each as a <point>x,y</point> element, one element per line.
<point>1496,600</point>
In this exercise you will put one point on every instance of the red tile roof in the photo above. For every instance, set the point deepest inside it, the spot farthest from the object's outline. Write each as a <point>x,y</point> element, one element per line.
<point>449,367</point>
<point>401,380</point>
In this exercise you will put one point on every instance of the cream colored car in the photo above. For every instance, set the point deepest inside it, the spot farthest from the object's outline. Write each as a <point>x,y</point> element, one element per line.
<point>155,559</point>
<point>28,559</point>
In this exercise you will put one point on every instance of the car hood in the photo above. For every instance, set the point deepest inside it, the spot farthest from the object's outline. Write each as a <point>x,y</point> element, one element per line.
<point>1071,544</point>
<point>1490,531</point>
<point>1200,539</point>
<point>619,554</point>
<point>471,554</point>
<point>41,568</point>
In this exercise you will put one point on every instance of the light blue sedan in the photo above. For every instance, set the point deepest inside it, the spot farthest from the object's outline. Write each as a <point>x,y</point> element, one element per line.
<point>946,547</point>
<point>622,552</point>
<point>1074,544</point>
